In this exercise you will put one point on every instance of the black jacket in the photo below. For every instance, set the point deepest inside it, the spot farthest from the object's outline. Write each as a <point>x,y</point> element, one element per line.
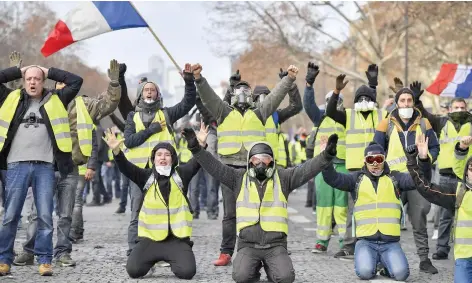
<point>73,83</point>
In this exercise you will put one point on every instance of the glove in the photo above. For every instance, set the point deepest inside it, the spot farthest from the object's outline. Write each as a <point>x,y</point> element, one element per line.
<point>155,127</point>
<point>411,153</point>
<point>114,71</point>
<point>234,79</point>
<point>123,69</point>
<point>416,88</point>
<point>282,73</point>
<point>15,59</point>
<point>398,85</point>
<point>312,71</point>
<point>191,137</point>
<point>332,144</point>
<point>340,84</point>
<point>188,74</point>
<point>372,74</point>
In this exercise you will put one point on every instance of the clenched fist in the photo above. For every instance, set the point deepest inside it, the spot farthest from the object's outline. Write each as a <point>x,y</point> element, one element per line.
<point>292,71</point>
<point>197,70</point>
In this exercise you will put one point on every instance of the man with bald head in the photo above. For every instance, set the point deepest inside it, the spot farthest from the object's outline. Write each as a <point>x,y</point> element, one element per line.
<point>34,136</point>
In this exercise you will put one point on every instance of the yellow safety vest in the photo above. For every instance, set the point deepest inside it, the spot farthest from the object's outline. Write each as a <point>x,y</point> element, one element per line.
<point>359,133</point>
<point>55,110</point>
<point>272,136</point>
<point>237,131</point>
<point>84,127</point>
<point>271,212</point>
<point>82,169</point>
<point>140,155</point>
<point>155,216</point>
<point>396,158</point>
<point>463,226</point>
<point>282,154</point>
<point>327,128</point>
<point>447,141</point>
<point>111,157</point>
<point>184,153</point>
<point>377,211</point>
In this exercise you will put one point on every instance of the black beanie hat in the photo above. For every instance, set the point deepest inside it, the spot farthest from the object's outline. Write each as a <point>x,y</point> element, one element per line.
<point>260,148</point>
<point>402,91</point>
<point>373,149</point>
<point>364,90</point>
<point>261,89</point>
<point>170,148</point>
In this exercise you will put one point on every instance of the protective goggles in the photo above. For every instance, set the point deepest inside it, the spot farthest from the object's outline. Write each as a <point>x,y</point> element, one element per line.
<point>243,90</point>
<point>257,159</point>
<point>374,159</point>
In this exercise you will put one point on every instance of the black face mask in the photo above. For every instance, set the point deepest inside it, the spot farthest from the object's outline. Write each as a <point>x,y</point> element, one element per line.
<point>459,117</point>
<point>260,171</point>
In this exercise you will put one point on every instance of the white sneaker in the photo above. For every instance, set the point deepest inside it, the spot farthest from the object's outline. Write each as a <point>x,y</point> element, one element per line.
<point>435,235</point>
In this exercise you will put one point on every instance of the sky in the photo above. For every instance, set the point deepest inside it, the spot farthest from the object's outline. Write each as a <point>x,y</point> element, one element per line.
<point>179,25</point>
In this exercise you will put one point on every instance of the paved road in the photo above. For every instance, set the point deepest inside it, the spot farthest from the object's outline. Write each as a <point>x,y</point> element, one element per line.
<point>102,256</point>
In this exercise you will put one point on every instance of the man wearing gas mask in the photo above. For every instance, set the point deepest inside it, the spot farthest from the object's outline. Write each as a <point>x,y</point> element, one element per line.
<point>450,128</point>
<point>261,191</point>
<point>240,124</point>
<point>396,132</point>
<point>329,202</point>
<point>360,124</point>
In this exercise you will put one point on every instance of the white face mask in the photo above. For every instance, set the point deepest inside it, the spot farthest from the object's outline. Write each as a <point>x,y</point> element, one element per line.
<point>164,170</point>
<point>405,113</point>
<point>364,106</point>
<point>148,100</point>
<point>376,173</point>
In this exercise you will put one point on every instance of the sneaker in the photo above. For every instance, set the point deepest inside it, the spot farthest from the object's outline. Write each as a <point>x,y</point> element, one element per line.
<point>65,261</point>
<point>428,267</point>
<point>45,269</point>
<point>319,248</point>
<point>440,255</point>
<point>120,210</point>
<point>163,264</point>
<point>344,255</point>
<point>4,269</point>
<point>25,258</point>
<point>223,260</point>
<point>435,235</point>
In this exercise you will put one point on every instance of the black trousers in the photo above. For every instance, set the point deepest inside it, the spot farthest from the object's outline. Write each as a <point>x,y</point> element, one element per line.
<point>174,251</point>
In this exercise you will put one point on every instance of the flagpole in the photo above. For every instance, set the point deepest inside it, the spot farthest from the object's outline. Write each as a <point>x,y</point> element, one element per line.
<point>157,38</point>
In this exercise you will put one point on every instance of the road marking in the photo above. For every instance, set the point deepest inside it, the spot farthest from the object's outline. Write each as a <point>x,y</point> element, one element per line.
<point>291,210</point>
<point>299,219</point>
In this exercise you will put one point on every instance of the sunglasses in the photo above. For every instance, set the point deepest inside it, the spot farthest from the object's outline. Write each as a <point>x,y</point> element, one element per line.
<point>261,158</point>
<point>374,159</point>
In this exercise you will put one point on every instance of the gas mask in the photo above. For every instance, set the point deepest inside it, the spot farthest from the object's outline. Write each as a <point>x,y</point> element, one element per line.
<point>242,97</point>
<point>364,103</point>
<point>260,99</point>
<point>261,166</point>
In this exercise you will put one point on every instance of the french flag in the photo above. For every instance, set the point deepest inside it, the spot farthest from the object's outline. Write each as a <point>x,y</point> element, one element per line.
<point>454,80</point>
<point>90,19</point>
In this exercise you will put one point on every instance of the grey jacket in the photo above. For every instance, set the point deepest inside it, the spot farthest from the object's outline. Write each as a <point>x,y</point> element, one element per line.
<point>290,179</point>
<point>221,110</point>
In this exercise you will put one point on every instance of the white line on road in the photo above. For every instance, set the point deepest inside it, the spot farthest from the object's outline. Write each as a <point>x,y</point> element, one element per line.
<point>291,210</point>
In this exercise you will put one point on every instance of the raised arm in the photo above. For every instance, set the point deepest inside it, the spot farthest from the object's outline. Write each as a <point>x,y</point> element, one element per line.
<point>188,101</point>
<point>73,84</point>
<point>294,105</point>
<point>332,106</point>
<point>309,102</point>
<point>8,75</point>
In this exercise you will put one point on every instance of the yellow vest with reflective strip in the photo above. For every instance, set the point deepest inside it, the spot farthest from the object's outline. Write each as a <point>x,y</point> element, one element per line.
<point>140,155</point>
<point>237,131</point>
<point>377,211</point>
<point>271,213</point>
<point>55,110</point>
<point>396,158</point>
<point>447,141</point>
<point>359,133</point>
<point>463,226</point>
<point>272,136</point>
<point>282,154</point>
<point>184,153</point>
<point>82,169</point>
<point>155,216</point>
<point>327,128</point>
<point>84,127</point>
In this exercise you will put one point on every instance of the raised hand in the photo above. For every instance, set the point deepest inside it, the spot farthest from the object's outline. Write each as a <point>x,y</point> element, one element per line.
<point>114,70</point>
<point>422,146</point>
<point>372,74</point>
<point>312,72</point>
<point>234,79</point>
<point>332,144</point>
<point>112,141</point>
<point>197,70</point>
<point>202,134</point>
<point>187,74</point>
<point>340,84</point>
<point>15,59</point>
<point>282,73</point>
<point>398,84</point>
<point>292,71</point>
<point>416,88</point>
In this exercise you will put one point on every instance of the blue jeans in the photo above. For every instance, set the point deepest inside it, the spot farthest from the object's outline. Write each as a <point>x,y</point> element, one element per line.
<point>113,174</point>
<point>20,176</point>
<point>124,191</point>
<point>463,271</point>
<point>368,254</point>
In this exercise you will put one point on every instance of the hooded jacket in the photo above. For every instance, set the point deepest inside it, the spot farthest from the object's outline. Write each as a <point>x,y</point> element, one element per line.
<point>290,179</point>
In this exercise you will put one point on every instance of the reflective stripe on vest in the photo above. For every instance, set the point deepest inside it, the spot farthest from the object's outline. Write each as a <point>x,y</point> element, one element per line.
<point>447,141</point>
<point>377,211</point>
<point>359,133</point>
<point>282,154</point>
<point>271,213</point>
<point>396,158</point>
<point>327,128</point>
<point>184,153</point>
<point>155,215</point>
<point>140,155</point>
<point>59,119</point>
<point>463,227</point>
<point>272,136</point>
<point>237,131</point>
<point>84,127</point>
<point>7,111</point>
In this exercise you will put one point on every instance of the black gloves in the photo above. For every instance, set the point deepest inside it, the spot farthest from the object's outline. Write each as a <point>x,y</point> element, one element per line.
<point>312,71</point>
<point>340,84</point>
<point>234,79</point>
<point>416,88</point>
<point>191,137</point>
<point>372,74</point>
<point>282,73</point>
<point>155,127</point>
<point>122,69</point>
<point>332,144</point>
<point>411,149</point>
